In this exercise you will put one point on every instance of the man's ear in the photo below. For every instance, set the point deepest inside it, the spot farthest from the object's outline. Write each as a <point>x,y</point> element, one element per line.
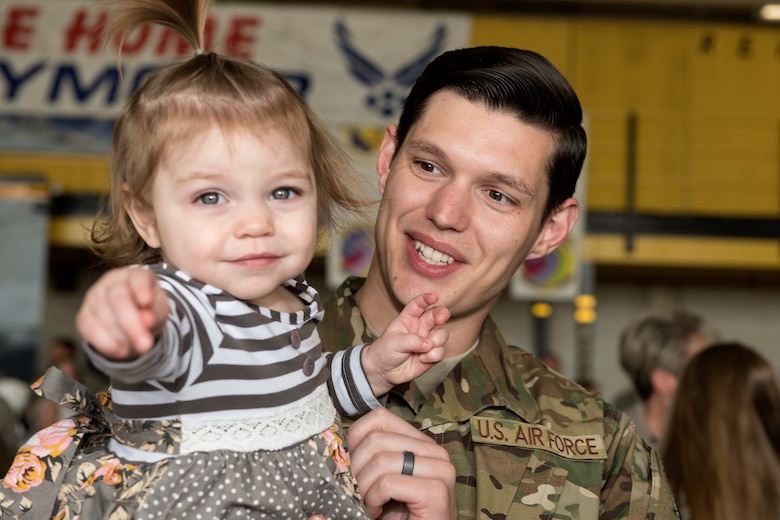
<point>385,157</point>
<point>556,229</point>
<point>143,220</point>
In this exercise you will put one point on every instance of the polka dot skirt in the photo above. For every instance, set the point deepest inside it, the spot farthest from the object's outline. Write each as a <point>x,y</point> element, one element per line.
<point>292,483</point>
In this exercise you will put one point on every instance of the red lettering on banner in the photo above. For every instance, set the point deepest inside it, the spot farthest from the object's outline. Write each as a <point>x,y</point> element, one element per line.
<point>84,27</point>
<point>592,448</point>
<point>16,33</point>
<point>239,42</point>
<point>136,40</point>
<point>162,41</point>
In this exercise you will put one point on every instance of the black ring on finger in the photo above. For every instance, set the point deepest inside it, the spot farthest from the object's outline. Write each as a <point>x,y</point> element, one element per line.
<point>408,463</point>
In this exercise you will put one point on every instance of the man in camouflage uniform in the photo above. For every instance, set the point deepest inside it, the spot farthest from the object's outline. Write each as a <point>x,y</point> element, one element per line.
<point>477,177</point>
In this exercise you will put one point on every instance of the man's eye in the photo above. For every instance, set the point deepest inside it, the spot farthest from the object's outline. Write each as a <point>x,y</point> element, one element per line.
<point>498,196</point>
<point>426,166</point>
<point>282,193</point>
<point>211,198</point>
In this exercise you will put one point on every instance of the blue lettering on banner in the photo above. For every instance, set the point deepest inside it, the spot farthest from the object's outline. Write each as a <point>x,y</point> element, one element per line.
<point>66,79</point>
<point>67,85</point>
<point>14,81</point>
<point>66,82</point>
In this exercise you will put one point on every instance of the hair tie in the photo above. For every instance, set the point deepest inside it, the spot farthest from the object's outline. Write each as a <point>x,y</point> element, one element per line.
<point>199,52</point>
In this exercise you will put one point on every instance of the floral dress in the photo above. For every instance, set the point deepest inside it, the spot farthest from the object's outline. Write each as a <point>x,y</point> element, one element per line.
<point>67,471</point>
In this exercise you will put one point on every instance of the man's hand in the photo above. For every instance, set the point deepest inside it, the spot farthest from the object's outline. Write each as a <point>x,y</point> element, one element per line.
<point>377,442</point>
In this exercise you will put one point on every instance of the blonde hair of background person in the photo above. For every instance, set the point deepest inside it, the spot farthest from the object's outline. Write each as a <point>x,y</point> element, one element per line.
<point>654,348</point>
<point>722,448</point>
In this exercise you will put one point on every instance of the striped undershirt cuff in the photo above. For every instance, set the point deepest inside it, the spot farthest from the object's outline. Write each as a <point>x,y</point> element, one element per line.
<point>349,385</point>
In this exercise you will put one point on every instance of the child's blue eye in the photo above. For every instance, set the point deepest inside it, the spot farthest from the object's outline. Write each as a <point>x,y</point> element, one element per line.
<point>282,193</point>
<point>211,198</point>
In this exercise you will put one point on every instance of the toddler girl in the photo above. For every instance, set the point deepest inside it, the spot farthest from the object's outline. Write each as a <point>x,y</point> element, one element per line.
<point>222,403</point>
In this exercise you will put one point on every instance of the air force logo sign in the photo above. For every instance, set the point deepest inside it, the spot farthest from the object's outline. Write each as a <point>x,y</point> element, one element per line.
<point>386,89</point>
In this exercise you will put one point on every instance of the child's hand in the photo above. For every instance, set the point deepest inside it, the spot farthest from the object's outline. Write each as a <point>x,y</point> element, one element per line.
<point>122,313</point>
<point>409,346</point>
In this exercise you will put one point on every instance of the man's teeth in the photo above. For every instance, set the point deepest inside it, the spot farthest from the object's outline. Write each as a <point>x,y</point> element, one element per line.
<point>431,256</point>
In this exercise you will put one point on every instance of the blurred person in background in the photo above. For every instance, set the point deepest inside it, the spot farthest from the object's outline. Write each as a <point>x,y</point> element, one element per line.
<point>722,446</point>
<point>654,348</point>
<point>63,354</point>
<point>8,438</point>
<point>15,396</point>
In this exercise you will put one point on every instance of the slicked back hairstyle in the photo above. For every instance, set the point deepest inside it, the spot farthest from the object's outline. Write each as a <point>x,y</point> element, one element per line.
<point>179,100</point>
<point>513,81</point>
<point>722,448</point>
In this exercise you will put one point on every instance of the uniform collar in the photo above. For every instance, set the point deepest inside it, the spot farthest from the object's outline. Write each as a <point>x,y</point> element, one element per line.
<point>487,378</point>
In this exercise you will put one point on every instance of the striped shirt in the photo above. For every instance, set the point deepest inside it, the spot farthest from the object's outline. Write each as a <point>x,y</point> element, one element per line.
<point>222,358</point>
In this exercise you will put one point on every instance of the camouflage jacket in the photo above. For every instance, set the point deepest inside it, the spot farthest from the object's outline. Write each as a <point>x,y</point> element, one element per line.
<point>525,441</point>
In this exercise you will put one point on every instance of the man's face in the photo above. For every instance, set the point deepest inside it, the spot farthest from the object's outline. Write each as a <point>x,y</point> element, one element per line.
<point>462,204</point>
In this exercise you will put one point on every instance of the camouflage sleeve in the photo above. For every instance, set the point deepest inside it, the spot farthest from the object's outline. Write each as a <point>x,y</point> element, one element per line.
<point>635,486</point>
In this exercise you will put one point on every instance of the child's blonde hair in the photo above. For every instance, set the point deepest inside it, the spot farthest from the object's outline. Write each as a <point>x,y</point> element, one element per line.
<point>177,101</point>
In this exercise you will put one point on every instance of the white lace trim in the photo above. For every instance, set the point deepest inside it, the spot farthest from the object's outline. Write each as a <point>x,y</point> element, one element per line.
<point>260,433</point>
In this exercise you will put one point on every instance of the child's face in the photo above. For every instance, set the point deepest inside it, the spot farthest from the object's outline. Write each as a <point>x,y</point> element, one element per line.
<point>236,212</point>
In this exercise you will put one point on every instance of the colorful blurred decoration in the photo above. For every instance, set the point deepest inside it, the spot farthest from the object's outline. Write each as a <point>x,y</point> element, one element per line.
<point>552,277</point>
<point>553,270</point>
<point>357,248</point>
<point>584,318</point>
<point>365,139</point>
<point>350,252</point>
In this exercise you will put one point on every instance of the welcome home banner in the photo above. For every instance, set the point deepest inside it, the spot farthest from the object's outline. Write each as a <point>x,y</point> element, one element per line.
<point>60,88</point>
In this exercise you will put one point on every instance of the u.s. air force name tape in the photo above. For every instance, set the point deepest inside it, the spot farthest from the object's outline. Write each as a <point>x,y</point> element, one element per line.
<point>514,433</point>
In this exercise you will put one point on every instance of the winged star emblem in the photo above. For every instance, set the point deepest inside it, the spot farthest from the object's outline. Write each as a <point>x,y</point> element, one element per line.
<point>387,91</point>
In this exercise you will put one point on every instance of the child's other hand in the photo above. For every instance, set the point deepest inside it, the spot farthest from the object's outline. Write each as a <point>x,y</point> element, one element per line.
<point>409,346</point>
<point>122,313</point>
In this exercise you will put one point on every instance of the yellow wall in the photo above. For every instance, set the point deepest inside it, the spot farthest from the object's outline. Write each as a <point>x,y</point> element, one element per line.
<point>706,97</point>
<point>66,174</point>
<point>707,102</point>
